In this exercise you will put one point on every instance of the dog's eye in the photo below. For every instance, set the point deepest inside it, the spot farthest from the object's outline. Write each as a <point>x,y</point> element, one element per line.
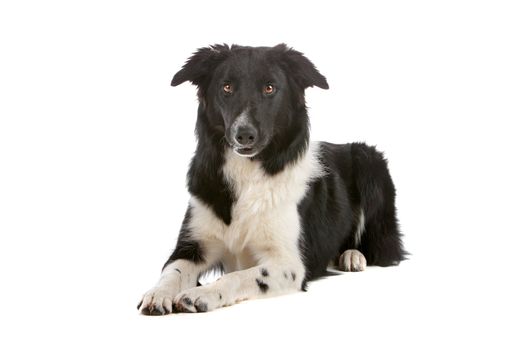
<point>269,89</point>
<point>227,88</point>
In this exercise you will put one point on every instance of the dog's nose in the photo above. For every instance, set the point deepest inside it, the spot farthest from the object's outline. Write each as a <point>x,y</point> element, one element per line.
<point>246,135</point>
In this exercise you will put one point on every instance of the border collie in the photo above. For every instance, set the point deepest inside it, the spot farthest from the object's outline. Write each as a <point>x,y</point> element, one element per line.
<point>269,208</point>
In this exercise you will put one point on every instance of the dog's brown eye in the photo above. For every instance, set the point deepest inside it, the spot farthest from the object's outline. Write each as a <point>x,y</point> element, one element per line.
<point>227,88</point>
<point>269,89</point>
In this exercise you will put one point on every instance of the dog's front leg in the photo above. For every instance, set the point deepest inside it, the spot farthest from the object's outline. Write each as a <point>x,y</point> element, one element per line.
<point>264,280</point>
<point>176,276</point>
<point>189,260</point>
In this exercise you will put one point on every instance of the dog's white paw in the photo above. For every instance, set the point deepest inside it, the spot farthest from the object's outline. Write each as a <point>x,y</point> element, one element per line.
<point>352,260</point>
<point>199,299</point>
<point>158,301</point>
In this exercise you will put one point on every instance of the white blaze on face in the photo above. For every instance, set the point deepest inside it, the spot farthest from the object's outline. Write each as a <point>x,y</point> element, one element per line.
<point>241,121</point>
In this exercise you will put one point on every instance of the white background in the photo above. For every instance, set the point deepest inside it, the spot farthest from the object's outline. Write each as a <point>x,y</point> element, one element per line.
<point>94,146</point>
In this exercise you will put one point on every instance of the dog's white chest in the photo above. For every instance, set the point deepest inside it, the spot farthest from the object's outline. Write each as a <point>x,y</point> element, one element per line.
<point>263,200</point>
<point>265,207</point>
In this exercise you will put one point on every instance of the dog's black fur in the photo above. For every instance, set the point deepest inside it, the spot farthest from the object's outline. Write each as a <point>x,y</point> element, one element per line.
<point>356,174</point>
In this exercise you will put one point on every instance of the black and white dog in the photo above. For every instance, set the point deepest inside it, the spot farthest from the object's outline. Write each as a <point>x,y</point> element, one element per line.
<point>268,207</point>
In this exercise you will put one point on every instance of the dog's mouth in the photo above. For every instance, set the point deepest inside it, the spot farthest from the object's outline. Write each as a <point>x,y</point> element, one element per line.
<point>245,151</point>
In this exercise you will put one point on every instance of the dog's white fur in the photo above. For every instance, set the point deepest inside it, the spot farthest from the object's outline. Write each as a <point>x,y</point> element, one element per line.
<point>264,234</point>
<point>360,227</point>
<point>176,277</point>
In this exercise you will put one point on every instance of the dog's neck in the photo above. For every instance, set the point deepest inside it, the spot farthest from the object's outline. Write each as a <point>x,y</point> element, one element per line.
<point>288,146</point>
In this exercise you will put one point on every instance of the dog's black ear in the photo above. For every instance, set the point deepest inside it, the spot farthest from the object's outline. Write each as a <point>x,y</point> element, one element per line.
<point>198,68</point>
<point>300,67</point>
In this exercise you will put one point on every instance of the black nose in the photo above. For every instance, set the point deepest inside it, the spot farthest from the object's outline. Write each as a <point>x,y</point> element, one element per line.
<point>246,135</point>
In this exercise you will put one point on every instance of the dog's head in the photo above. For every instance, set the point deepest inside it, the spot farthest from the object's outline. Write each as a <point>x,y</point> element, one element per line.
<point>250,93</point>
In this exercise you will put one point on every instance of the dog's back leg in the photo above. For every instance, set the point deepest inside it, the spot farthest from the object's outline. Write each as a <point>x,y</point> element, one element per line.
<point>377,233</point>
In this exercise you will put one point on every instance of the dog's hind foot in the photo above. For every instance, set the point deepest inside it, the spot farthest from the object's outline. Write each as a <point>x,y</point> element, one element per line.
<point>352,260</point>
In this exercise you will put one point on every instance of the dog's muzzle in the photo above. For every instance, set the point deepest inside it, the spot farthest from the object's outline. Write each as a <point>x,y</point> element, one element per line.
<point>245,139</point>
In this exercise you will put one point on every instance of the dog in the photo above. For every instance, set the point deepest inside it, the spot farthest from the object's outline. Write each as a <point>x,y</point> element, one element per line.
<point>268,208</point>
